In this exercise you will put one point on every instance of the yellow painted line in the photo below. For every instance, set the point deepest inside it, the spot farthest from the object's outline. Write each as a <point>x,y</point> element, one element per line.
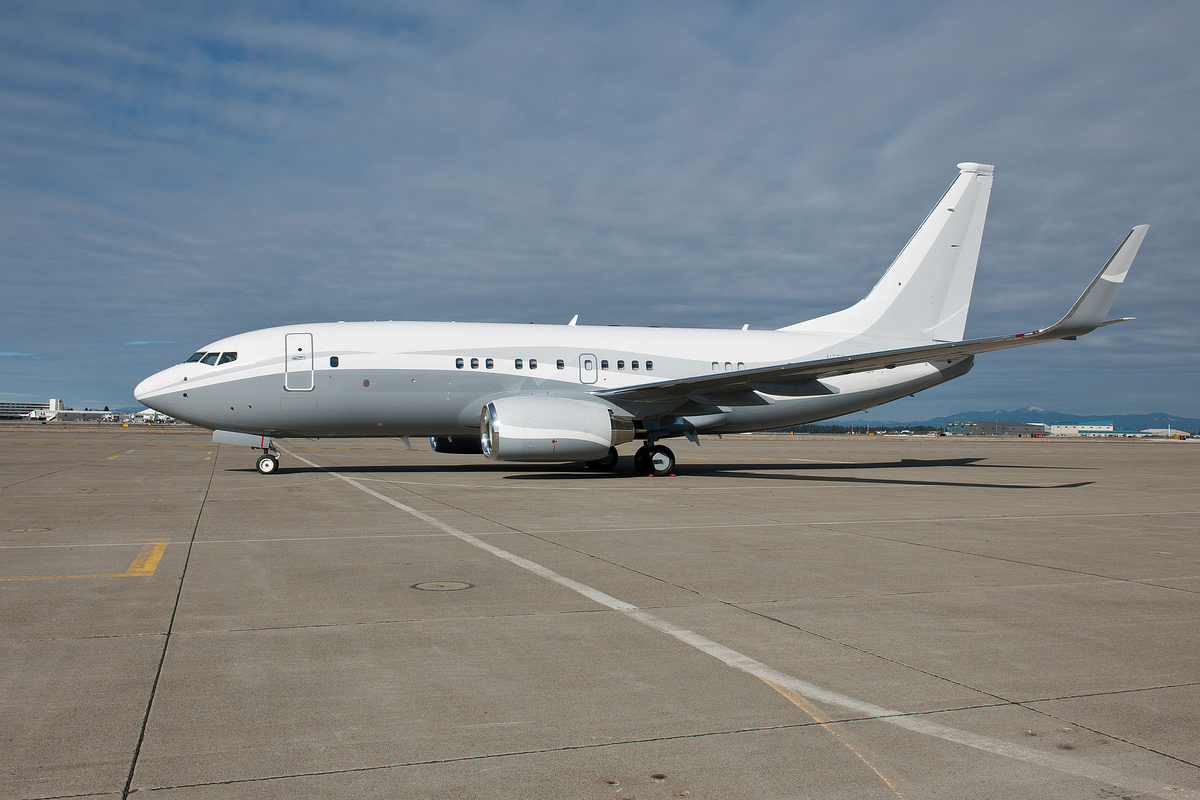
<point>142,567</point>
<point>147,560</point>
<point>802,702</point>
<point>110,458</point>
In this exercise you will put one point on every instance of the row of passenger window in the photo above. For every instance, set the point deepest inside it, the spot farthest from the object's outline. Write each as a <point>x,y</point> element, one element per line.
<point>518,363</point>
<point>716,366</point>
<point>621,364</point>
<point>212,359</point>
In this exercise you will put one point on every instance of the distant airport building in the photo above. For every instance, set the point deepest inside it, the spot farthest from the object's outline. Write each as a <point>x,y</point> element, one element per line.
<point>19,410</point>
<point>1091,427</point>
<point>56,411</point>
<point>997,428</point>
<point>1167,433</point>
<point>150,415</point>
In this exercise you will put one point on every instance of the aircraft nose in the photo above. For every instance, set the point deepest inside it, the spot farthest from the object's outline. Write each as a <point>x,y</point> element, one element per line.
<point>148,388</point>
<point>143,389</point>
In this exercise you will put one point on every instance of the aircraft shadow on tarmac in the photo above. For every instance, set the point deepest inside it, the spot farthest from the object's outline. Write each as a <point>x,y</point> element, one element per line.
<point>817,473</point>
<point>791,471</point>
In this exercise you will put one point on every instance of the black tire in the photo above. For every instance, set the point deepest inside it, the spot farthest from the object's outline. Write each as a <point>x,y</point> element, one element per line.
<point>606,464</point>
<point>661,461</point>
<point>641,461</point>
<point>267,464</point>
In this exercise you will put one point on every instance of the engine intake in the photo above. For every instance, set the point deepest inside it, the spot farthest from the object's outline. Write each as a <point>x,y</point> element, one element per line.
<point>549,429</point>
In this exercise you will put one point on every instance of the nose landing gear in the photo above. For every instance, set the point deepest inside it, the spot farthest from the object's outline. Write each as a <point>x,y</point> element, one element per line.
<point>656,460</point>
<point>268,463</point>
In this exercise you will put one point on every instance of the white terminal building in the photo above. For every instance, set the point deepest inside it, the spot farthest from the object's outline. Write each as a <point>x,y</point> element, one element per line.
<point>1091,427</point>
<point>57,411</point>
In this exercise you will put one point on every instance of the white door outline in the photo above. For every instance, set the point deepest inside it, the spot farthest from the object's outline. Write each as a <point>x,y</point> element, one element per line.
<point>587,368</point>
<point>297,362</point>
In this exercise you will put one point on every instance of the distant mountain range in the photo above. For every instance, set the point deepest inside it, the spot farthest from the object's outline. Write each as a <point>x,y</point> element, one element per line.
<point>1132,422</point>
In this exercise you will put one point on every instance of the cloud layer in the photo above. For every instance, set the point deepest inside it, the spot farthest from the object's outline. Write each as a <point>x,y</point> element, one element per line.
<point>177,174</point>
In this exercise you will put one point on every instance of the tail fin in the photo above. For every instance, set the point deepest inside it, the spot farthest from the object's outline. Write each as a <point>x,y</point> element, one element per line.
<point>924,296</point>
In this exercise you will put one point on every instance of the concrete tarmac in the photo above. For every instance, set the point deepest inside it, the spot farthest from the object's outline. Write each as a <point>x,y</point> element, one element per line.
<point>788,617</point>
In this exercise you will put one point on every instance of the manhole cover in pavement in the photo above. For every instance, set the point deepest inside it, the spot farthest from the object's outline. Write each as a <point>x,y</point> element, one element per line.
<point>442,586</point>
<point>27,530</point>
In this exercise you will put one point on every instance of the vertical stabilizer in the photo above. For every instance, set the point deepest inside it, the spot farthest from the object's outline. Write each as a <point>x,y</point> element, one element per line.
<point>925,294</point>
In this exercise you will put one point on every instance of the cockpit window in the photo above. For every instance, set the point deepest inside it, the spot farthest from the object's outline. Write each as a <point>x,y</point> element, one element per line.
<point>210,358</point>
<point>226,358</point>
<point>195,357</point>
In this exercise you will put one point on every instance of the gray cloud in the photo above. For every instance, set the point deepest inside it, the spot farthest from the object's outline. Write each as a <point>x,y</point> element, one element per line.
<point>181,174</point>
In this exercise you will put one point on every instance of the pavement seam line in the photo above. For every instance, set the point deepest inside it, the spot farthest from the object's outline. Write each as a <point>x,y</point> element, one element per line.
<point>137,750</point>
<point>8,486</point>
<point>1001,701</point>
<point>480,757</point>
<point>727,655</point>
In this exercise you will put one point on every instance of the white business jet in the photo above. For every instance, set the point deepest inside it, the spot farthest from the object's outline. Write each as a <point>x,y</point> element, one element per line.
<point>568,393</point>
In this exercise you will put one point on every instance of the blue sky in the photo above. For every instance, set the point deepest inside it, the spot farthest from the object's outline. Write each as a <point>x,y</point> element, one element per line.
<point>171,174</point>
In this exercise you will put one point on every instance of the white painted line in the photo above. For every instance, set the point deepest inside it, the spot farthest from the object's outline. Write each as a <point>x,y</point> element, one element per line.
<point>917,724</point>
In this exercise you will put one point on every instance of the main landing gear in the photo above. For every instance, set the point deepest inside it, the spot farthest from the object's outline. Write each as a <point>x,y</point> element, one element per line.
<point>268,463</point>
<point>656,460</point>
<point>606,464</point>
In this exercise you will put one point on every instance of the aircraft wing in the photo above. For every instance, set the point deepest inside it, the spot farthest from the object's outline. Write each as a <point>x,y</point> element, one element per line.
<point>1086,315</point>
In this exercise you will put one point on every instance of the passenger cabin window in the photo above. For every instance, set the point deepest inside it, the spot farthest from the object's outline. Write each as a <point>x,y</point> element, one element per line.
<point>649,365</point>
<point>633,365</point>
<point>587,364</point>
<point>474,363</point>
<point>620,365</point>
<point>210,358</point>
<point>489,363</point>
<point>333,361</point>
<point>561,364</point>
<point>459,363</point>
<point>533,363</point>
<point>741,365</point>
<point>604,364</point>
<point>728,367</point>
<point>226,358</point>
<point>716,367</point>
<point>518,363</point>
<point>195,357</point>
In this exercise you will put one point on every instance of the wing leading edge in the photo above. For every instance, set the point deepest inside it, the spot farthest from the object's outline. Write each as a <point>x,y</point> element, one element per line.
<point>1086,315</point>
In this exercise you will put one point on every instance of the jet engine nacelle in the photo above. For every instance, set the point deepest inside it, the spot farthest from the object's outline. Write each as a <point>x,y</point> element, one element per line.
<point>549,429</point>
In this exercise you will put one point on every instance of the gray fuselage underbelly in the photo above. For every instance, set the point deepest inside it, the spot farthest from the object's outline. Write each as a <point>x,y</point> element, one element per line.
<point>360,403</point>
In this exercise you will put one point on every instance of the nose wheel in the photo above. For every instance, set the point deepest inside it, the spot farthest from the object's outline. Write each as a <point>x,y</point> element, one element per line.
<point>656,460</point>
<point>267,464</point>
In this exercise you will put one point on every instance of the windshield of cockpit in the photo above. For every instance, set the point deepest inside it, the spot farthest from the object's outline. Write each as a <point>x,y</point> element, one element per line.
<point>212,359</point>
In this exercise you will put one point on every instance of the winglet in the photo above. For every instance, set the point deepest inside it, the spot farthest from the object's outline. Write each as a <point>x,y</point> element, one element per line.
<point>1092,307</point>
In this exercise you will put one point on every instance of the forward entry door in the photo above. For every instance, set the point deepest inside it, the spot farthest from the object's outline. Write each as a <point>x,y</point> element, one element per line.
<point>297,362</point>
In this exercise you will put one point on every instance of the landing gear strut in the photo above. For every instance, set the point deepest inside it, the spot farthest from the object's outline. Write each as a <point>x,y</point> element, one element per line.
<point>268,463</point>
<point>656,460</point>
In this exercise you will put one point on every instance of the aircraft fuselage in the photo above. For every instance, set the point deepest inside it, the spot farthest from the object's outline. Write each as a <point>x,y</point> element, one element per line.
<point>358,379</point>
